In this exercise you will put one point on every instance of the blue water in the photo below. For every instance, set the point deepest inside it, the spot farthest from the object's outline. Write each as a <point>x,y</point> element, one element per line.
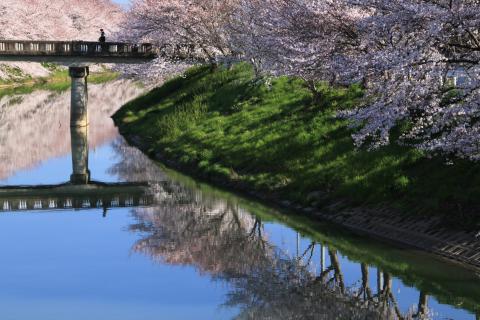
<point>79,266</point>
<point>184,264</point>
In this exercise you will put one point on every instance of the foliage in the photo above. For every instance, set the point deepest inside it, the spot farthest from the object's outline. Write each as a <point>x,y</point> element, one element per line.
<point>172,24</point>
<point>406,54</point>
<point>58,20</point>
<point>229,127</point>
<point>422,61</point>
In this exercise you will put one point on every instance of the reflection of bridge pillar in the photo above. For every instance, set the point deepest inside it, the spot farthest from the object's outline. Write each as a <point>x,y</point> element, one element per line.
<point>79,125</point>
<point>81,174</point>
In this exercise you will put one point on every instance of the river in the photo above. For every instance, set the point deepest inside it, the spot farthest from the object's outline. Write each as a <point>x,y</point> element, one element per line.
<point>185,250</point>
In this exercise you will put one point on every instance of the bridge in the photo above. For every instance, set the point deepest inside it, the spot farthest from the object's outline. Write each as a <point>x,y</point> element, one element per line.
<point>71,196</point>
<point>77,55</point>
<point>80,192</point>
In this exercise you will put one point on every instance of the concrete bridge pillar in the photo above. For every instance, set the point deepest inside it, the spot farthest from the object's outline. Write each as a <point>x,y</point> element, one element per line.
<point>79,96</point>
<point>79,125</point>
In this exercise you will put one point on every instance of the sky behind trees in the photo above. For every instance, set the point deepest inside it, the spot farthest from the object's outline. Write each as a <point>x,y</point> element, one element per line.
<point>122,2</point>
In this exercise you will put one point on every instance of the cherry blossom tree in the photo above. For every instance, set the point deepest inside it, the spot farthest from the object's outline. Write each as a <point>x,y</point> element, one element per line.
<point>423,64</point>
<point>58,20</point>
<point>306,39</point>
<point>418,60</point>
<point>186,32</point>
<point>189,25</point>
<point>55,20</point>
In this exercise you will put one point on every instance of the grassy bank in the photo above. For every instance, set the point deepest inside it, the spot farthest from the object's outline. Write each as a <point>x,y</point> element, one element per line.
<point>58,80</point>
<point>224,126</point>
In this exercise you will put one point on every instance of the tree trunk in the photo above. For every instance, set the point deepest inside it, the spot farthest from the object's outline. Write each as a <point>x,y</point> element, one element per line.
<point>422,304</point>
<point>317,97</point>
<point>336,267</point>
<point>365,280</point>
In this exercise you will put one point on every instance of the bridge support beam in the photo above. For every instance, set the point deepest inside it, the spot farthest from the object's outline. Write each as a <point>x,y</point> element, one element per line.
<point>79,125</point>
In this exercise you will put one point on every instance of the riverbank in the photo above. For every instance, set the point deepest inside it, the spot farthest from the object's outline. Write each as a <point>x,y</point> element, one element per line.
<point>57,80</point>
<point>271,142</point>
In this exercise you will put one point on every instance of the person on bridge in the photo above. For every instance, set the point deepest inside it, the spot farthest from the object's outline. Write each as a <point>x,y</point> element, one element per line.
<point>102,36</point>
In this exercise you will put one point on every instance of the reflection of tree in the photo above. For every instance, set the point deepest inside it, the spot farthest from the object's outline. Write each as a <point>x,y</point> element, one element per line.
<point>365,292</point>
<point>338,276</point>
<point>422,306</point>
<point>385,297</point>
<point>133,165</point>
<point>286,288</point>
<point>226,242</point>
<point>35,127</point>
<point>188,228</point>
<point>214,237</point>
<point>220,238</point>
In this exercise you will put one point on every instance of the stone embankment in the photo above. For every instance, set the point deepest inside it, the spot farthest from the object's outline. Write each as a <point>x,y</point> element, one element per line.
<point>424,233</point>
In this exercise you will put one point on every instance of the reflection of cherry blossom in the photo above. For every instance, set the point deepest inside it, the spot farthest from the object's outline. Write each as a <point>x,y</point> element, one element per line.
<point>215,237</point>
<point>220,239</point>
<point>215,234</point>
<point>36,126</point>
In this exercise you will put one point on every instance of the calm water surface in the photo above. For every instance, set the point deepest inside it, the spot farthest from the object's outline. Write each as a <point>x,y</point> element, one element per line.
<point>190,251</point>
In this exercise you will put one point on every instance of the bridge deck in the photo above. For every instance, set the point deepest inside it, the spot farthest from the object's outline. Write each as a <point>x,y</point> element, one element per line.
<point>68,196</point>
<point>76,51</point>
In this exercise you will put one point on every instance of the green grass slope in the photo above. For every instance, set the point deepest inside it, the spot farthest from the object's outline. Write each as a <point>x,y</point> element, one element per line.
<point>224,125</point>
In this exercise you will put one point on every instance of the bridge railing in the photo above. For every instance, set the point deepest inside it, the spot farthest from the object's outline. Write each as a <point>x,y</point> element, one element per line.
<point>75,48</point>
<point>71,202</point>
